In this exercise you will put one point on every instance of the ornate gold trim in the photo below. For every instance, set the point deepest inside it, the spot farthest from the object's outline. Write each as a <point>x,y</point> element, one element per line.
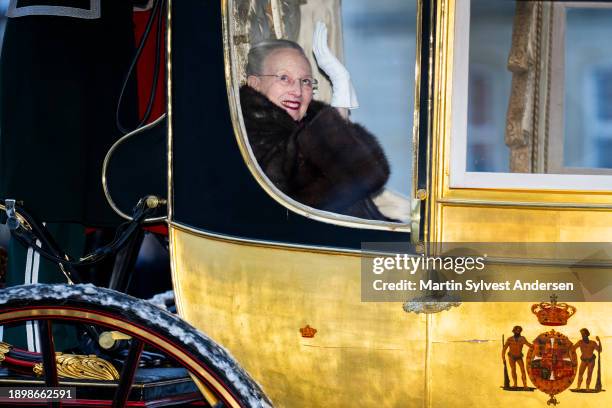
<point>416,119</point>
<point>38,369</point>
<point>259,243</point>
<point>534,204</point>
<point>521,130</point>
<point>428,208</point>
<point>85,367</point>
<point>548,87</point>
<point>4,348</point>
<point>441,54</point>
<point>78,367</point>
<point>272,244</point>
<point>415,219</point>
<point>170,197</point>
<point>428,377</point>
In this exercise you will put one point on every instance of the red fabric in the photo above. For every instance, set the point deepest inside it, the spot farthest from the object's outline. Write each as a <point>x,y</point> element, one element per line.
<point>144,74</point>
<point>161,229</point>
<point>145,66</point>
<point>18,365</point>
<point>90,230</point>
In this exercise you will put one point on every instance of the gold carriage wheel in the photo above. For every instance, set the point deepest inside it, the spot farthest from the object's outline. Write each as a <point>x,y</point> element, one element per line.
<point>220,379</point>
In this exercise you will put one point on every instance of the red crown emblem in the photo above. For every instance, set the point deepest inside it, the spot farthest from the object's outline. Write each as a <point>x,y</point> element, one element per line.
<point>553,313</point>
<point>308,331</point>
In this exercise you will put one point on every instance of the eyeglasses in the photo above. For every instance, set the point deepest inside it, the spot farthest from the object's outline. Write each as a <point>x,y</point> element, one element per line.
<point>286,80</point>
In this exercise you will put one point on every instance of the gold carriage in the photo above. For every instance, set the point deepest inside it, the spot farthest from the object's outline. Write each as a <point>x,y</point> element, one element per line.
<point>488,151</point>
<point>256,270</point>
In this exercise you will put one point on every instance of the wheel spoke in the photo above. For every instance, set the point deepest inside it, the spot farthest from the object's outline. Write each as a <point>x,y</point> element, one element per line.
<point>48,354</point>
<point>216,374</point>
<point>127,373</point>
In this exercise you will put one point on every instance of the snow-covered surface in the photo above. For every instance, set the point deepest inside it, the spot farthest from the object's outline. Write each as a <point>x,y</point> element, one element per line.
<point>162,299</point>
<point>154,317</point>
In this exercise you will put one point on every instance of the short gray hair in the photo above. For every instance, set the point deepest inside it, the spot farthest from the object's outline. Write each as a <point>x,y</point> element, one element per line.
<point>260,51</point>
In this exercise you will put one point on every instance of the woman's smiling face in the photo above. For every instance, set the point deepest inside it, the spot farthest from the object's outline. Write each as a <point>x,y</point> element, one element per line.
<point>282,81</point>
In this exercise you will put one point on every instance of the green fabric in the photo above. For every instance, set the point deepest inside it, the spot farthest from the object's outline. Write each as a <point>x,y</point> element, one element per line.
<point>71,238</point>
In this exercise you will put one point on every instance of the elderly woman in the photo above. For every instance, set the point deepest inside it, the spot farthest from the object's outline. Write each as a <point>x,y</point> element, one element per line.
<point>307,148</point>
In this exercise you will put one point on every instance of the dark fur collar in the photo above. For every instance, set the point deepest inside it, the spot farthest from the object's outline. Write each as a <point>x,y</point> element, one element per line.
<point>323,161</point>
<point>257,107</point>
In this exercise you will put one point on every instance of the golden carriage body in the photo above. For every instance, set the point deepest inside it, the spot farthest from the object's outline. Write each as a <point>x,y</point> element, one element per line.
<point>280,285</point>
<point>255,292</point>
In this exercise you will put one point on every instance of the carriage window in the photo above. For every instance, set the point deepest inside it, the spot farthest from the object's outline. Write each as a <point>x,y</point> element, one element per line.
<point>379,48</point>
<point>599,128</point>
<point>537,96</point>
<point>483,120</point>
<point>588,106</point>
<point>328,114</point>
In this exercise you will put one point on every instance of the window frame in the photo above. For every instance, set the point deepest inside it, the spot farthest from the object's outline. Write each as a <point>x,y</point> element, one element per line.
<point>233,86</point>
<point>459,176</point>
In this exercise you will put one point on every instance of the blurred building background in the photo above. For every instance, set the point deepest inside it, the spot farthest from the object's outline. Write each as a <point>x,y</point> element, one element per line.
<point>380,52</point>
<point>586,118</point>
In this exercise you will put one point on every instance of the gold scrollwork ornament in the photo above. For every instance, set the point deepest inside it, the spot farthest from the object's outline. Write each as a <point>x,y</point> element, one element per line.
<point>81,367</point>
<point>4,348</point>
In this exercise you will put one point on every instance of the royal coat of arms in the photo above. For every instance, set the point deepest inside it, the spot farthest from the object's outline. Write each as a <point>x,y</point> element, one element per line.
<point>552,362</point>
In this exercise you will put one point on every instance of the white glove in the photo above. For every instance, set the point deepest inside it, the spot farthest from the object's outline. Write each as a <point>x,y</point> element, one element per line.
<point>343,92</point>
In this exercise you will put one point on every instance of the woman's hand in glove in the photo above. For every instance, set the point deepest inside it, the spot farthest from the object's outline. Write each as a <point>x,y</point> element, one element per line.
<point>343,92</point>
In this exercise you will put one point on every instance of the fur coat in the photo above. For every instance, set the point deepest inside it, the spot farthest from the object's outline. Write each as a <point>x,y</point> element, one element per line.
<point>323,161</point>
